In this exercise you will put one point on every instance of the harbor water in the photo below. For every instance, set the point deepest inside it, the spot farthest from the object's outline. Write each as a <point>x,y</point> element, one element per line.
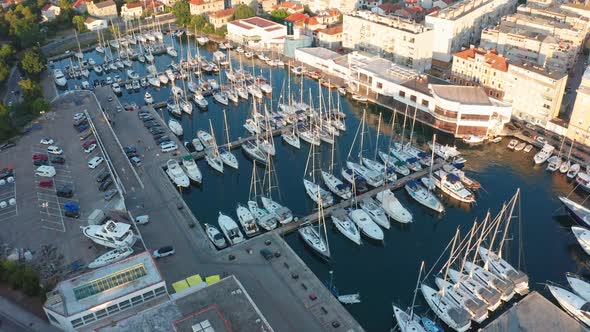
<point>383,273</point>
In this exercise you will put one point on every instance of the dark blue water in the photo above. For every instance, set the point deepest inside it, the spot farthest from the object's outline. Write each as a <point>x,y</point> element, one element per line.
<point>384,273</point>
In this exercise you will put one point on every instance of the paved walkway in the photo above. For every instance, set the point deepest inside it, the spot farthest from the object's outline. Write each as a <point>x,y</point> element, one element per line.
<point>15,318</point>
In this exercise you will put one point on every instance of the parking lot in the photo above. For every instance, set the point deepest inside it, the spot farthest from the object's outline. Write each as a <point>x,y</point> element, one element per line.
<point>8,204</point>
<point>39,216</point>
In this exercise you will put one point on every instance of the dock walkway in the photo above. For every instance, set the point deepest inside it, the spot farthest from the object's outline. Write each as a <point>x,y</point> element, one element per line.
<point>312,218</point>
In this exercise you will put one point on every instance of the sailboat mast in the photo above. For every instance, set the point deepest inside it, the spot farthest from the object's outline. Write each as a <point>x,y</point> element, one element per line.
<point>332,156</point>
<point>392,130</point>
<point>226,131</point>
<point>432,158</point>
<point>404,126</point>
<point>478,243</point>
<point>362,136</point>
<point>416,290</point>
<point>514,199</point>
<point>497,221</point>
<point>450,257</point>
<point>468,246</point>
<point>377,138</point>
<point>413,123</point>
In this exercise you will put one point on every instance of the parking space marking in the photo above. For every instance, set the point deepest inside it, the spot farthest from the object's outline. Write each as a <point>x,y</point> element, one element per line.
<point>9,191</point>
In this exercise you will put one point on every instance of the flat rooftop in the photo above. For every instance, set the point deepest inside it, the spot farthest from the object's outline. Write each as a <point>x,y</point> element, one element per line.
<point>224,306</point>
<point>103,284</point>
<point>469,95</point>
<point>319,52</point>
<point>531,314</point>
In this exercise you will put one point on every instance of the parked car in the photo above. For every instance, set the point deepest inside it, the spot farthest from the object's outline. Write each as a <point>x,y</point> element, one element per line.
<point>85,135</point>
<point>136,161</point>
<point>266,254</point>
<point>90,148</point>
<point>39,162</point>
<point>105,185</point>
<point>79,115</point>
<point>89,143</point>
<point>150,124</point>
<point>103,176</point>
<point>7,145</point>
<point>129,148</point>
<point>527,134</point>
<point>164,251</point>
<point>541,139</point>
<point>94,162</point>
<point>5,173</point>
<point>72,213</point>
<point>530,126</point>
<point>109,194</point>
<point>80,122</point>
<point>82,128</point>
<point>56,150</point>
<point>46,141</point>
<point>58,160</point>
<point>156,130</point>
<point>65,191</point>
<point>147,118</point>
<point>46,183</point>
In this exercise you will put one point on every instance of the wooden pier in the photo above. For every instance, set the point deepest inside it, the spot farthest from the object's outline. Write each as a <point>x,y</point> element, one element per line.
<point>399,183</point>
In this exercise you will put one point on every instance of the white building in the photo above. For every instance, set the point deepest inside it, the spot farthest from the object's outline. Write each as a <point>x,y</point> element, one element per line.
<point>257,33</point>
<point>344,6</point>
<point>460,24</point>
<point>93,23</point>
<point>97,296</point>
<point>130,11</point>
<point>49,12</point>
<point>400,40</point>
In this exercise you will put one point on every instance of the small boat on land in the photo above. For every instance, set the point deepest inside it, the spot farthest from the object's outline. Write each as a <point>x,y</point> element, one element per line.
<point>520,146</point>
<point>112,234</point>
<point>528,148</point>
<point>512,144</point>
<point>110,257</point>
<point>215,236</point>
<point>473,139</point>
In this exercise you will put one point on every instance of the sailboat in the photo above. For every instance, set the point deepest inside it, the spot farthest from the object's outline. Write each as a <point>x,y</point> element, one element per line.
<point>225,153</point>
<point>372,177</point>
<point>576,306</point>
<point>282,213</point>
<point>212,154</point>
<point>110,257</point>
<point>366,225</point>
<point>345,225</point>
<point>409,322</point>
<point>314,237</point>
<point>314,191</point>
<point>398,150</point>
<point>175,127</point>
<point>264,218</point>
<point>580,213</point>
<point>373,164</point>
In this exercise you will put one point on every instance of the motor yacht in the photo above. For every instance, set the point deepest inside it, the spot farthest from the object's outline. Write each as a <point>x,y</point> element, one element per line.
<point>544,154</point>
<point>576,306</point>
<point>215,236</point>
<point>583,237</point>
<point>451,185</point>
<point>583,181</point>
<point>282,213</point>
<point>111,234</point>
<point>176,174</point>
<point>110,257</point>
<point>175,127</point>
<point>116,88</point>
<point>132,75</point>
<point>247,220</point>
<point>192,170</point>
<point>345,225</point>
<point>59,78</point>
<point>376,212</point>
<point>553,163</point>
<point>200,100</point>
<point>230,229</point>
<point>206,139</point>
<point>264,218</point>
<point>393,208</point>
<point>147,97</point>
<point>573,171</point>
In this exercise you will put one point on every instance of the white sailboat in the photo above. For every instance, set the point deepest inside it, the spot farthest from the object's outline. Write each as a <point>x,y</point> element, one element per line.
<point>393,208</point>
<point>313,190</point>
<point>212,154</point>
<point>366,224</point>
<point>346,226</point>
<point>460,298</point>
<point>583,237</point>
<point>315,238</point>
<point>333,183</point>
<point>282,213</point>
<point>456,318</point>
<point>576,306</point>
<point>225,153</point>
<point>230,229</point>
<point>264,218</point>
<point>410,322</point>
<point>200,100</point>
<point>579,285</point>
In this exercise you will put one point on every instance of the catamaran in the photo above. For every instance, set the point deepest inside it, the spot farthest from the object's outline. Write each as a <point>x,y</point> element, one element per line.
<point>176,174</point>
<point>230,229</point>
<point>393,208</point>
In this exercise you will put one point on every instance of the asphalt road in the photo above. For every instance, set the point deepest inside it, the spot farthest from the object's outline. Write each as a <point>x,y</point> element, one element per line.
<point>12,93</point>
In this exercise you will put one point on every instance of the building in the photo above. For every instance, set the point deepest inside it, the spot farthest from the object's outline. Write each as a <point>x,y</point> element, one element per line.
<point>104,294</point>
<point>106,9</point>
<point>221,17</point>
<point>556,14</point>
<point>169,3</point>
<point>460,24</point>
<point>200,7</point>
<point>289,7</point>
<point>257,33</point>
<point>579,124</point>
<point>131,11</point>
<point>457,110</point>
<point>582,9</point>
<point>412,13</point>
<point>330,38</point>
<point>79,6</point>
<point>267,5</point>
<point>344,6</point>
<point>535,93</point>
<point>369,4</point>
<point>93,23</point>
<point>478,67</point>
<point>154,6</point>
<point>328,17</point>
<point>49,12</point>
<point>403,41</point>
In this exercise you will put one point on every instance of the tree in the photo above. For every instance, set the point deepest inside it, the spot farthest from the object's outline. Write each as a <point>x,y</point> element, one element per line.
<point>31,89</point>
<point>40,105</point>
<point>6,52</point>
<point>78,22</point>
<point>221,31</point>
<point>4,71</point>
<point>182,12</point>
<point>65,5</point>
<point>306,10</point>
<point>208,28</point>
<point>278,15</point>
<point>32,62</point>
<point>243,11</point>
<point>197,22</point>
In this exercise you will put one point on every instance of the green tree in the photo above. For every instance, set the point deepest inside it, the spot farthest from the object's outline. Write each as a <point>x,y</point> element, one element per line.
<point>182,12</point>
<point>30,282</point>
<point>4,71</point>
<point>197,22</point>
<point>33,62</point>
<point>40,105</point>
<point>278,15</point>
<point>208,28</point>
<point>306,10</point>
<point>221,31</point>
<point>243,11</point>
<point>64,5</point>
<point>78,22</point>
<point>6,52</point>
<point>31,89</point>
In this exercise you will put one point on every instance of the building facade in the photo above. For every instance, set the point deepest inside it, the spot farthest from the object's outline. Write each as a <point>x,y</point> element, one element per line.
<point>460,24</point>
<point>106,9</point>
<point>221,17</point>
<point>330,38</point>
<point>200,7</point>
<point>130,11</point>
<point>402,41</point>
<point>49,12</point>
<point>579,124</point>
<point>478,67</point>
<point>344,6</point>
<point>94,24</point>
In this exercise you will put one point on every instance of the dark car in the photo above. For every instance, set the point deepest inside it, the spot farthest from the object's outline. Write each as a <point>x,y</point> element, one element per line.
<point>82,127</point>
<point>163,139</point>
<point>103,176</point>
<point>129,148</point>
<point>58,160</point>
<point>157,130</point>
<point>147,118</point>
<point>105,185</point>
<point>40,156</point>
<point>527,134</point>
<point>151,124</point>
<point>266,254</point>
<point>65,191</point>
<point>85,135</point>
<point>6,172</point>
<point>109,194</point>
<point>7,145</point>
<point>517,125</point>
<point>72,214</point>
<point>158,136</point>
<point>40,162</point>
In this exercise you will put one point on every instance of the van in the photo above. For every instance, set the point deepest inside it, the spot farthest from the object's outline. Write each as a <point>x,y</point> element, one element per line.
<point>45,171</point>
<point>169,146</point>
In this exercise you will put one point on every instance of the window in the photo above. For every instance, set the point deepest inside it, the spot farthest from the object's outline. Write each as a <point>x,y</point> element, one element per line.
<point>413,98</point>
<point>110,281</point>
<point>136,300</point>
<point>53,319</point>
<point>89,318</point>
<point>160,291</point>
<point>125,304</point>
<point>379,85</point>
<point>77,322</point>
<point>112,309</point>
<point>148,295</point>
<point>101,313</point>
<point>425,102</point>
<point>402,94</point>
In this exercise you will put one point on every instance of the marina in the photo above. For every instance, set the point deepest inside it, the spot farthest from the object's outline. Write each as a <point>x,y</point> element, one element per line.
<point>498,170</point>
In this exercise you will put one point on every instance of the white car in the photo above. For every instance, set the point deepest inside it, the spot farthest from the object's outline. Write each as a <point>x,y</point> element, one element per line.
<point>94,162</point>
<point>142,220</point>
<point>46,141</point>
<point>90,148</point>
<point>79,116</point>
<point>541,139</point>
<point>52,149</point>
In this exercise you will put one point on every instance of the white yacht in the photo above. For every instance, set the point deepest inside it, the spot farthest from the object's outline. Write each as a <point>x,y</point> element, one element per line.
<point>206,139</point>
<point>393,208</point>
<point>573,171</point>
<point>192,170</point>
<point>310,136</point>
<point>132,75</point>
<point>177,91</point>
<point>59,78</point>
<point>583,180</point>
<point>154,81</point>
<point>255,91</point>
<point>116,88</point>
<point>221,98</point>
<point>456,318</point>
<point>565,166</point>
<point>476,288</point>
<point>505,287</point>
<point>147,97</point>
<point>366,225</point>
<point>111,234</point>
<point>266,146</point>
<point>171,51</point>
<point>544,154</point>
<point>214,161</point>
<point>247,220</point>
<point>460,298</point>
<point>97,69</point>
<point>282,213</point>
<point>163,78</point>
<point>407,323</point>
<point>503,269</point>
<point>553,164</point>
<point>112,256</point>
<point>390,161</point>
<point>316,193</point>
<point>228,158</point>
<point>176,174</point>
<point>230,229</point>
<point>345,225</point>
<point>336,185</point>
<point>253,151</point>
<point>313,238</point>
<point>173,107</point>
<point>451,185</point>
<point>197,144</point>
<point>200,100</point>
<point>376,212</point>
<point>215,236</point>
<point>85,85</point>
<point>400,154</point>
<point>373,178</point>
<point>423,196</point>
<point>176,127</point>
<point>445,152</point>
<point>583,237</point>
<point>579,285</point>
<point>292,139</point>
<point>264,219</point>
<point>576,306</point>
<point>252,126</point>
<point>378,167</point>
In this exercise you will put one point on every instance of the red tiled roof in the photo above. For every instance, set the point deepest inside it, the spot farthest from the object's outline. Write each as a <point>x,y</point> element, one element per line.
<point>105,4</point>
<point>296,17</point>
<point>133,5</point>
<point>259,22</point>
<point>448,2</point>
<point>222,13</point>
<point>312,21</point>
<point>332,31</point>
<point>153,4</point>
<point>389,7</point>
<point>273,29</point>
<point>79,3</point>
<point>197,2</point>
<point>432,10</point>
<point>241,25</point>
<point>491,57</point>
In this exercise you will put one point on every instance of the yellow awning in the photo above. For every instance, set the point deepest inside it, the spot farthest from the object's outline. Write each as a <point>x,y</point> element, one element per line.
<point>212,279</point>
<point>194,280</point>
<point>180,285</point>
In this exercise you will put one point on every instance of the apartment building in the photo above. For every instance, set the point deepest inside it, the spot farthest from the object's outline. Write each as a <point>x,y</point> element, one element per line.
<point>130,11</point>
<point>522,44</point>
<point>535,93</point>
<point>479,67</point>
<point>257,33</point>
<point>345,6</point>
<point>579,125</point>
<point>556,14</point>
<point>330,38</point>
<point>221,17</point>
<point>402,41</point>
<point>106,9</point>
<point>460,24</point>
<point>200,7</point>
